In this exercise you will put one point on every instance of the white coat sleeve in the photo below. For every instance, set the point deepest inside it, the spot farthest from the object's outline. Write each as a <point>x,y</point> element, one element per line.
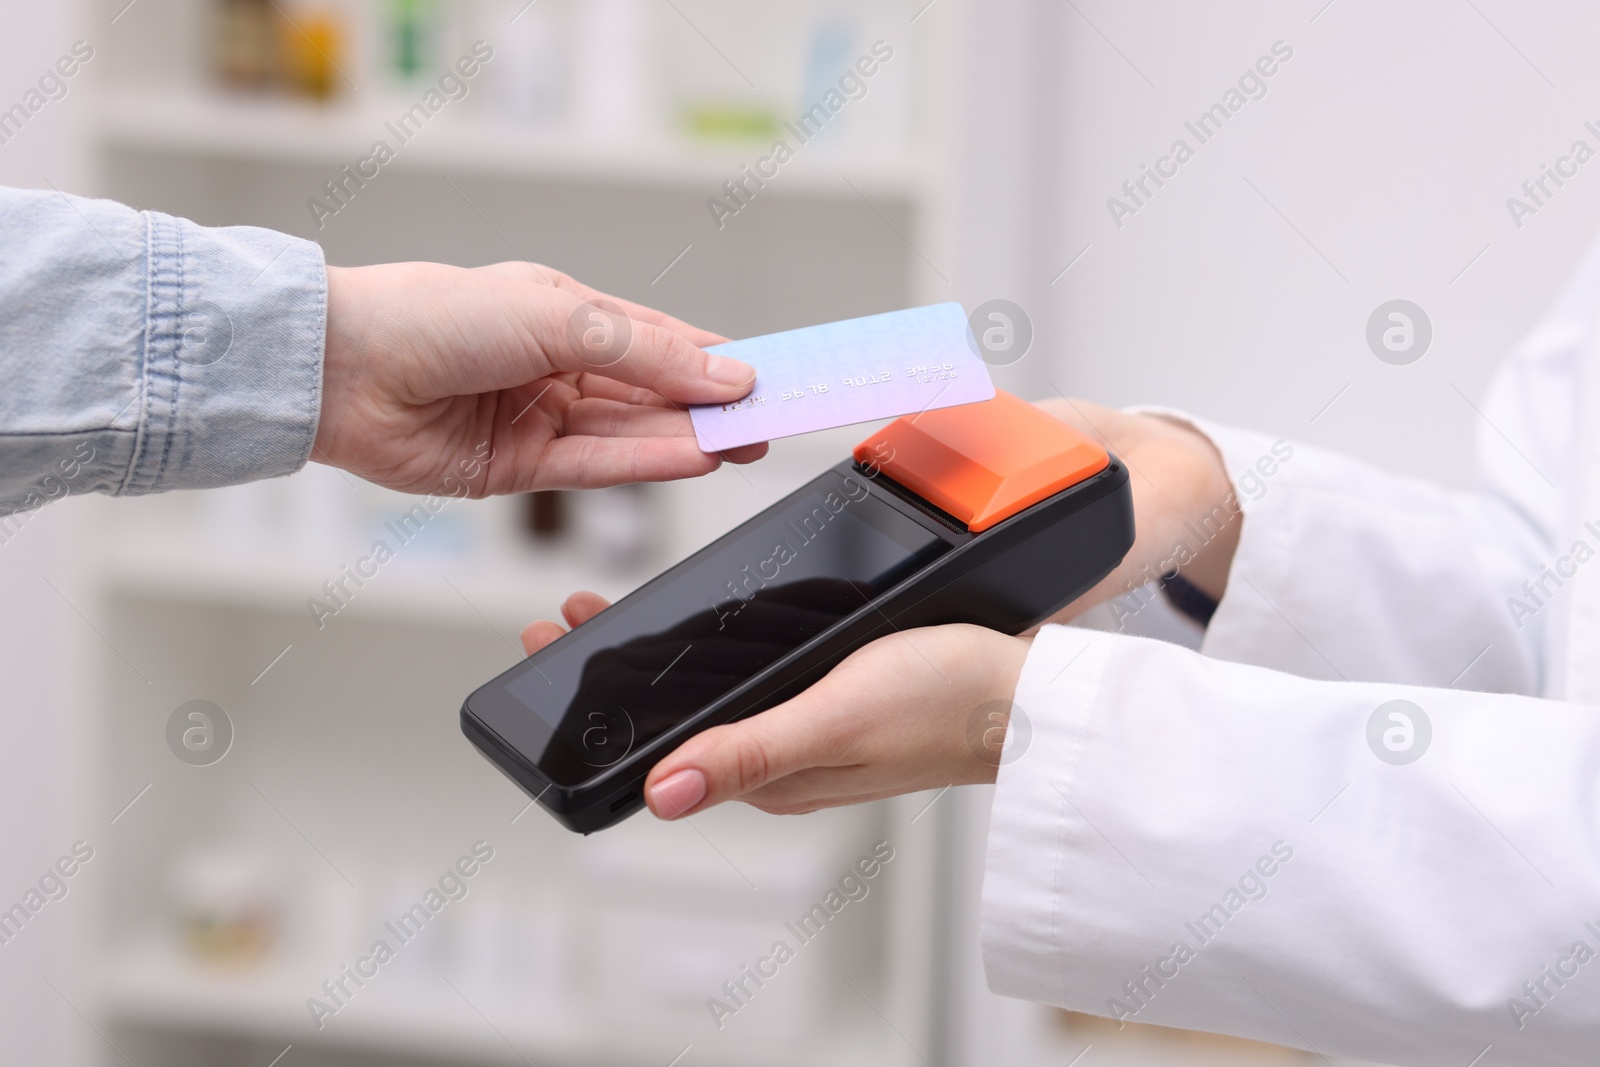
<point>1217,846</point>
<point>1345,571</point>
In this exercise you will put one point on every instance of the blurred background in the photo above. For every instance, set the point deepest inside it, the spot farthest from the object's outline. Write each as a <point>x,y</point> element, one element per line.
<point>987,159</point>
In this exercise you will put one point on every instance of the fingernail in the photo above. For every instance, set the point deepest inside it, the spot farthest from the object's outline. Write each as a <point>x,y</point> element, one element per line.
<point>726,371</point>
<point>677,794</point>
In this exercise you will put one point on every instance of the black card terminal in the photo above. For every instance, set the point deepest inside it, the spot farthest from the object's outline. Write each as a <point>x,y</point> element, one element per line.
<point>992,513</point>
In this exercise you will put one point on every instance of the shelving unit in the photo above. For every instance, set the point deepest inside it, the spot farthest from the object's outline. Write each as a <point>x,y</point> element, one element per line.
<point>502,588</point>
<point>348,765</point>
<point>203,603</point>
<point>157,986</point>
<point>279,130</point>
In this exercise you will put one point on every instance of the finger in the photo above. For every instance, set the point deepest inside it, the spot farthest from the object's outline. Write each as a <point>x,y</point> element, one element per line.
<point>579,462</point>
<point>728,762</point>
<point>582,606</point>
<point>591,339</point>
<point>799,802</point>
<point>603,388</point>
<point>839,786</point>
<point>641,313</point>
<point>537,635</point>
<point>745,453</point>
<point>611,418</point>
<point>527,332</point>
<point>608,418</point>
<point>551,394</point>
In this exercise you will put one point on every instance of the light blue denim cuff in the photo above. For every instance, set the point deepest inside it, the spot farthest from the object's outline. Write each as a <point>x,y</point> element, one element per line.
<point>141,353</point>
<point>234,336</point>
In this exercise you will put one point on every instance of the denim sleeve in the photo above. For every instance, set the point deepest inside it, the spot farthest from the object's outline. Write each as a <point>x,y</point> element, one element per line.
<point>141,353</point>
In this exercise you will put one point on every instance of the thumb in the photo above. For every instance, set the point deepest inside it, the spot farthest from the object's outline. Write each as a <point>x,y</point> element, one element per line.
<point>602,338</point>
<point>727,762</point>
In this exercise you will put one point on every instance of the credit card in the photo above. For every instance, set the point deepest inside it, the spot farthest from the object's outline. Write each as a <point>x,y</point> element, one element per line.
<point>858,370</point>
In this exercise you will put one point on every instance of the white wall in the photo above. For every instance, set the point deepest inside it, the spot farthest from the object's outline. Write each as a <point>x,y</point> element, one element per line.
<point>48,654</point>
<point>52,148</point>
<point>1390,141</point>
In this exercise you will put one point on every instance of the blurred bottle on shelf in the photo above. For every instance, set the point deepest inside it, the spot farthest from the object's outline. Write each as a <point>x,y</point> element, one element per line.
<point>528,79</point>
<point>260,45</point>
<point>545,514</point>
<point>832,52</point>
<point>612,68</point>
<point>618,527</point>
<point>229,905</point>
<point>412,31</point>
<point>244,43</point>
<point>724,93</point>
<point>731,120</point>
<point>314,46</point>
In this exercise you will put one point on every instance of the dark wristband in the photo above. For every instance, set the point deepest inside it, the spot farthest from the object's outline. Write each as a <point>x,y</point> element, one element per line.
<point>1188,599</point>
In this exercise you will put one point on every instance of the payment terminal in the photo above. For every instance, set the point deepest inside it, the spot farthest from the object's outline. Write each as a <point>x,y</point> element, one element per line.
<point>991,513</point>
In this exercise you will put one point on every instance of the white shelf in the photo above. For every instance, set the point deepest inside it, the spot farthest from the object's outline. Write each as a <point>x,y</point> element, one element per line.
<point>209,123</point>
<point>508,591</point>
<point>153,985</point>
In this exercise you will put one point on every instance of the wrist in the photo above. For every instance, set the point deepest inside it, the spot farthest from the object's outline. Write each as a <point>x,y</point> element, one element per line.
<point>997,662</point>
<point>1006,656</point>
<point>1215,559</point>
<point>333,352</point>
<point>346,337</point>
<point>1214,516</point>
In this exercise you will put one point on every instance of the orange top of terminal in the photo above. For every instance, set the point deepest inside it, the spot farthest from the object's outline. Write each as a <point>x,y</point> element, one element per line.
<point>983,462</point>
